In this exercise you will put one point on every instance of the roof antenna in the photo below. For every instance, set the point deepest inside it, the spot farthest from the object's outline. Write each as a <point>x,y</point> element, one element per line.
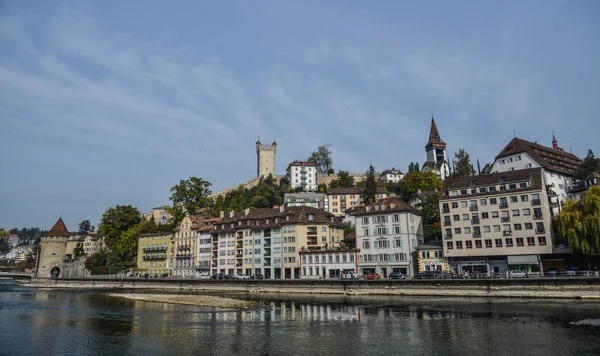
<point>514,133</point>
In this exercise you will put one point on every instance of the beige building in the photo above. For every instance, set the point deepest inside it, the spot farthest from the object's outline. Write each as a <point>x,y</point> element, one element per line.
<point>338,200</point>
<point>184,250</point>
<point>53,245</point>
<point>430,257</point>
<point>159,215</point>
<point>267,241</point>
<point>91,244</point>
<point>498,222</point>
<point>154,254</point>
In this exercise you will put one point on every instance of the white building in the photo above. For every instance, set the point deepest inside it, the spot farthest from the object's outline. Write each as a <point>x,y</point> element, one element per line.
<point>388,232</point>
<point>557,165</point>
<point>204,247</point>
<point>391,176</point>
<point>327,263</point>
<point>303,174</point>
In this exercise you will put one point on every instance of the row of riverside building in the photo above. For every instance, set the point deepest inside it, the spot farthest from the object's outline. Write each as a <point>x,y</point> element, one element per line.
<point>497,221</point>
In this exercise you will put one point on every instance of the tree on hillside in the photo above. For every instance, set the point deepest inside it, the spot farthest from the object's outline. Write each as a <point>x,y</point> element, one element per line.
<point>370,190</point>
<point>414,181</point>
<point>85,227</point>
<point>579,223</point>
<point>127,246</point>
<point>589,165</point>
<point>322,188</point>
<point>322,158</point>
<point>413,167</point>
<point>116,221</point>
<point>462,164</point>
<point>192,194</point>
<point>78,251</point>
<point>344,180</point>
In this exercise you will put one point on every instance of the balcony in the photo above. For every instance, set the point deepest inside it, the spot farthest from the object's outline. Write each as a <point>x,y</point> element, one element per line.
<point>311,242</point>
<point>507,233</point>
<point>540,231</point>
<point>477,234</point>
<point>239,255</point>
<point>447,223</point>
<point>473,208</point>
<point>238,264</point>
<point>536,202</point>
<point>505,218</point>
<point>267,264</point>
<point>446,211</point>
<point>311,233</point>
<point>503,205</point>
<point>538,217</point>
<point>266,254</point>
<point>448,236</point>
<point>474,221</point>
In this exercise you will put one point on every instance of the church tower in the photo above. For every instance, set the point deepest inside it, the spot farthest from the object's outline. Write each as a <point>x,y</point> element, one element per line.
<point>53,247</point>
<point>435,148</point>
<point>265,160</point>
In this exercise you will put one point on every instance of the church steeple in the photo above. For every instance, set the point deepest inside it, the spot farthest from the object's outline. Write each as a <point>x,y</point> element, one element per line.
<point>554,142</point>
<point>434,136</point>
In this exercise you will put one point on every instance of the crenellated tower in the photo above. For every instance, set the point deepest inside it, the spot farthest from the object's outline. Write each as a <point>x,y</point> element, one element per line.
<point>265,159</point>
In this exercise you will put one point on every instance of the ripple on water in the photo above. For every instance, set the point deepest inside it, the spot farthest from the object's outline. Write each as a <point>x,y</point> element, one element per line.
<point>587,322</point>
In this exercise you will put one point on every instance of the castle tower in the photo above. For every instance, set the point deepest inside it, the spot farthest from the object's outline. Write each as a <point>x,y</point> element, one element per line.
<point>265,160</point>
<point>435,148</point>
<point>53,246</point>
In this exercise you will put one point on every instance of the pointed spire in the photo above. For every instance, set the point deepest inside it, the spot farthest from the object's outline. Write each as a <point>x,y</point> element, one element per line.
<point>59,229</point>
<point>554,142</point>
<point>434,135</point>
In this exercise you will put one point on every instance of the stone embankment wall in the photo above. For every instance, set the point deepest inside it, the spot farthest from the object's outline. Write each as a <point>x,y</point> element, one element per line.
<point>581,288</point>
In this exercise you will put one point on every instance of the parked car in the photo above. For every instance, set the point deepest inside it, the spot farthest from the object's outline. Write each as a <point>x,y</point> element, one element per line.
<point>228,276</point>
<point>217,276</point>
<point>425,275</point>
<point>243,276</point>
<point>396,275</point>
<point>518,274</point>
<point>258,276</point>
<point>372,276</point>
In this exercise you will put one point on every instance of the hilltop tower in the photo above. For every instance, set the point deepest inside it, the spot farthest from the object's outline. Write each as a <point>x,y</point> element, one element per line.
<point>265,159</point>
<point>435,148</point>
<point>53,246</point>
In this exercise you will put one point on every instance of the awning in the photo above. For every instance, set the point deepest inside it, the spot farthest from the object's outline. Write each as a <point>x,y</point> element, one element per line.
<point>522,259</point>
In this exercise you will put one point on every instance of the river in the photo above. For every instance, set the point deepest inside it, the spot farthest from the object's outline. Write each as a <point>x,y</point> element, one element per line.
<point>48,322</point>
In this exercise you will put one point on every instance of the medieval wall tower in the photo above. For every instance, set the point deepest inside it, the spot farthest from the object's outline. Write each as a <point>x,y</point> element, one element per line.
<point>53,246</point>
<point>265,160</point>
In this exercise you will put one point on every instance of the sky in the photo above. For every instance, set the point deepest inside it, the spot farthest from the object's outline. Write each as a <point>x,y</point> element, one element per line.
<point>113,102</point>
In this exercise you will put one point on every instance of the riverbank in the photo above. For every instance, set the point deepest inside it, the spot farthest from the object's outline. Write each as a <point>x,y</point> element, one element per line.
<point>198,300</point>
<point>580,288</point>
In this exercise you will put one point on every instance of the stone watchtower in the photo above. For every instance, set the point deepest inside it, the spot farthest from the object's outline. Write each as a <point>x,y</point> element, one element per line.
<point>265,159</point>
<point>53,247</point>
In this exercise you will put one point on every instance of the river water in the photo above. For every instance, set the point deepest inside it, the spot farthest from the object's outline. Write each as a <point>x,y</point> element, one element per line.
<point>46,322</point>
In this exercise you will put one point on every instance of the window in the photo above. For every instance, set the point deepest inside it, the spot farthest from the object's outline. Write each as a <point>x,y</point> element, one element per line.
<point>366,232</point>
<point>514,199</point>
<point>486,229</point>
<point>482,190</point>
<point>459,245</point>
<point>465,216</point>
<point>524,198</point>
<point>456,217</point>
<point>483,202</point>
<point>518,227</point>
<point>457,230</point>
<point>512,186</point>
<point>520,241</point>
<point>366,244</point>
<point>524,185</point>
<point>467,230</point>
<point>496,228</point>
<point>488,243</point>
<point>528,226</point>
<point>492,189</point>
<point>397,229</point>
<point>498,242</point>
<point>468,243</point>
<point>516,212</point>
<point>526,212</point>
<point>397,243</point>
<point>495,214</point>
<point>485,215</point>
<point>397,217</point>
<point>454,205</point>
<point>493,201</point>
<point>509,242</point>
<point>477,243</point>
<point>463,204</point>
<point>530,241</point>
<point>542,240</point>
<point>463,192</point>
<point>449,245</point>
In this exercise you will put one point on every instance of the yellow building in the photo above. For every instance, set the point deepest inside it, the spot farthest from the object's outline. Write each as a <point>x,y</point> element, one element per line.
<point>431,258</point>
<point>154,253</point>
<point>341,199</point>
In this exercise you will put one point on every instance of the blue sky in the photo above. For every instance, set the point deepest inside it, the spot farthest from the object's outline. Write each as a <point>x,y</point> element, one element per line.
<point>112,102</point>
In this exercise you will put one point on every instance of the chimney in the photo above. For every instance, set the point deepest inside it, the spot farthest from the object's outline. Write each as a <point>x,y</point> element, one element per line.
<point>281,209</point>
<point>247,211</point>
<point>231,213</point>
<point>222,214</point>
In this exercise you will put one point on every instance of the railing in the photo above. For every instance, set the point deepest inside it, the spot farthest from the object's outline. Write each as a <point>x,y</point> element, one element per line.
<point>477,234</point>
<point>505,218</point>
<point>446,211</point>
<point>266,254</point>
<point>503,205</point>
<point>507,233</point>
<point>474,221</point>
<point>536,202</point>
<point>448,236</point>
<point>538,217</point>
<point>311,233</point>
<point>447,223</point>
<point>540,231</point>
<point>473,208</point>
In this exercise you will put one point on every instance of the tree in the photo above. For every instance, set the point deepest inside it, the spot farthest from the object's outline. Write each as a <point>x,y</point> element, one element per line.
<point>192,195</point>
<point>85,227</point>
<point>431,210</point>
<point>322,188</point>
<point>413,181</point>
<point>344,180</point>
<point>370,190</point>
<point>462,164</point>
<point>116,221</point>
<point>322,158</point>
<point>579,223</point>
<point>413,167</point>
<point>127,245</point>
<point>78,251</point>
<point>589,165</point>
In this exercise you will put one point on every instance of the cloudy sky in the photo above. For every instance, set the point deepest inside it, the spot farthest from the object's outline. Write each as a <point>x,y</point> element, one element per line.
<point>112,102</point>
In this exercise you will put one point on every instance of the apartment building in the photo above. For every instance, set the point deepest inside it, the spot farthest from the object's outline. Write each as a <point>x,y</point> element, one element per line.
<point>327,263</point>
<point>388,232</point>
<point>267,241</point>
<point>558,166</point>
<point>154,254</point>
<point>203,260</point>
<point>314,200</point>
<point>497,222</point>
<point>184,249</point>
<point>303,174</point>
<point>341,199</point>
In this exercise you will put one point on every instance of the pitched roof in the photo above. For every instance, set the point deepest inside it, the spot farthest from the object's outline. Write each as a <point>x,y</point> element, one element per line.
<point>550,158</point>
<point>434,136</point>
<point>533,175</point>
<point>59,229</point>
<point>391,204</point>
<point>351,236</point>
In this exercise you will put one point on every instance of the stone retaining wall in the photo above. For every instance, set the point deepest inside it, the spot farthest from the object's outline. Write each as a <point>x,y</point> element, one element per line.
<point>582,288</point>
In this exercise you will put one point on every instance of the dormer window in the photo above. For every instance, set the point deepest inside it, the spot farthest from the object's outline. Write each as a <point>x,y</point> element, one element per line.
<point>276,220</point>
<point>266,221</point>
<point>382,207</point>
<point>287,218</point>
<point>392,206</point>
<point>311,217</point>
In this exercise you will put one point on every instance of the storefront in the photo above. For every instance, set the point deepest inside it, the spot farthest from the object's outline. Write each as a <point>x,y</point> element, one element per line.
<point>526,263</point>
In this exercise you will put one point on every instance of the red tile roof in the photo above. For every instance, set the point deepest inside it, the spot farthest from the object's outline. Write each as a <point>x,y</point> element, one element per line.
<point>59,229</point>
<point>391,204</point>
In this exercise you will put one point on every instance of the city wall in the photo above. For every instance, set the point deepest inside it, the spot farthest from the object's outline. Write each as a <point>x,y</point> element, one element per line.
<point>580,288</point>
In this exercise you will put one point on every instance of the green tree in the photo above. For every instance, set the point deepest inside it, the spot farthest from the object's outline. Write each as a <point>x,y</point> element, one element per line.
<point>462,164</point>
<point>370,190</point>
<point>177,213</point>
<point>344,180</point>
<point>579,223</point>
<point>322,188</point>
<point>116,221</point>
<point>431,210</point>
<point>78,251</point>
<point>322,158</point>
<point>589,165</point>
<point>192,194</point>
<point>85,227</point>
<point>414,181</point>
<point>126,248</point>
<point>348,228</point>
<point>413,167</point>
